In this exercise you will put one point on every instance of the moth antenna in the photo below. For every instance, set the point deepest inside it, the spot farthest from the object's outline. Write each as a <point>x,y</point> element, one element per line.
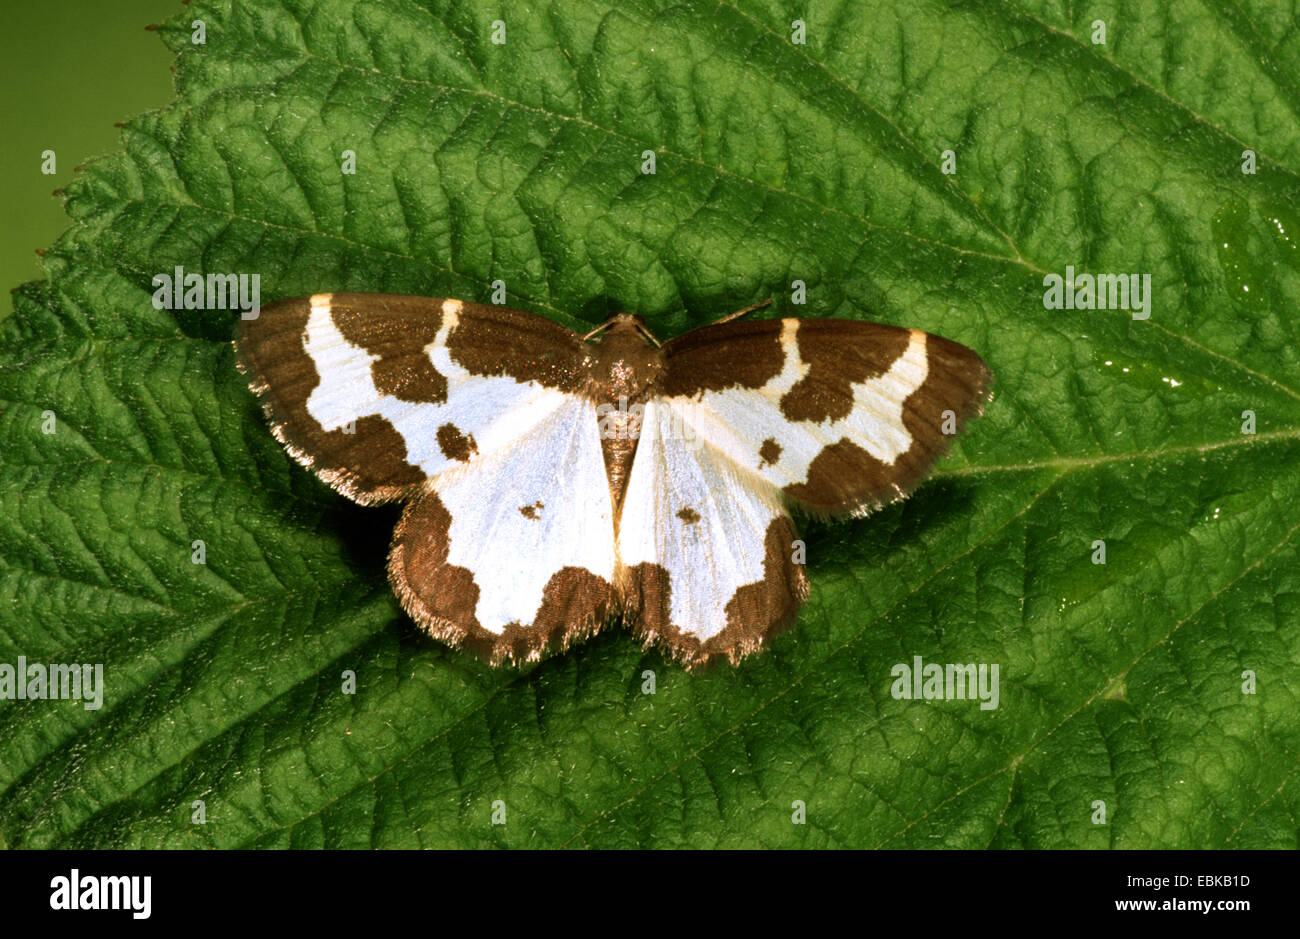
<point>739,313</point>
<point>641,328</point>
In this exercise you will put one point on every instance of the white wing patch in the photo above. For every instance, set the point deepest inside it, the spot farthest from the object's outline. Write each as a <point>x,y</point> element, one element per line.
<point>690,512</point>
<point>738,420</point>
<point>523,513</point>
<point>495,411</point>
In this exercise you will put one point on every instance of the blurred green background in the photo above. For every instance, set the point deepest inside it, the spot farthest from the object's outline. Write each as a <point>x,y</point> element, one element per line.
<point>72,69</point>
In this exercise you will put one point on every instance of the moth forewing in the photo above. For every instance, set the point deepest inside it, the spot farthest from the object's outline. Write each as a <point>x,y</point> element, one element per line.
<point>479,417</point>
<point>841,416</point>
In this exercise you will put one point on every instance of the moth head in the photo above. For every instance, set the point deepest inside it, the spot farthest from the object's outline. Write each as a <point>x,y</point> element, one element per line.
<point>620,326</point>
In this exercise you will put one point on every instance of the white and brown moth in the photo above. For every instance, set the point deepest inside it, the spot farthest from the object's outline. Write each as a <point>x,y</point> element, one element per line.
<point>554,481</point>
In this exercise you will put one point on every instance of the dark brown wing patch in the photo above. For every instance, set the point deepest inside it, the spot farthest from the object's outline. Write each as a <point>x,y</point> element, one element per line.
<point>728,355</point>
<point>441,597</point>
<point>454,444</point>
<point>839,354</point>
<point>494,340</point>
<point>646,596</point>
<point>396,329</point>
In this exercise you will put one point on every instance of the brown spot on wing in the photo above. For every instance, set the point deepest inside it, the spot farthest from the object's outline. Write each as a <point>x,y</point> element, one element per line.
<point>688,515</point>
<point>533,511</point>
<point>769,452</point>
<point>442,598</point>
<point>454,444</point>
<point>839,354</point>
<point>368,465</point>
<point>725,355</point>
<point>844,477</point>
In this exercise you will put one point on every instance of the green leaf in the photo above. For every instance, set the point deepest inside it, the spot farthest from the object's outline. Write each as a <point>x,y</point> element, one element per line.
<point>1120,683</point>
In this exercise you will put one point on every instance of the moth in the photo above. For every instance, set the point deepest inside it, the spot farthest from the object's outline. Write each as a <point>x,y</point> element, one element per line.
<point>554,482</point>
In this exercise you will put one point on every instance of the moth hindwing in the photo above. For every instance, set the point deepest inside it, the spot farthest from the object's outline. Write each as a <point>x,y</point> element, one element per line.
<point>554,482</point>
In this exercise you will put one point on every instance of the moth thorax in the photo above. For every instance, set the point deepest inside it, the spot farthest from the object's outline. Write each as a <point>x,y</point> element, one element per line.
<point>627,365</point>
